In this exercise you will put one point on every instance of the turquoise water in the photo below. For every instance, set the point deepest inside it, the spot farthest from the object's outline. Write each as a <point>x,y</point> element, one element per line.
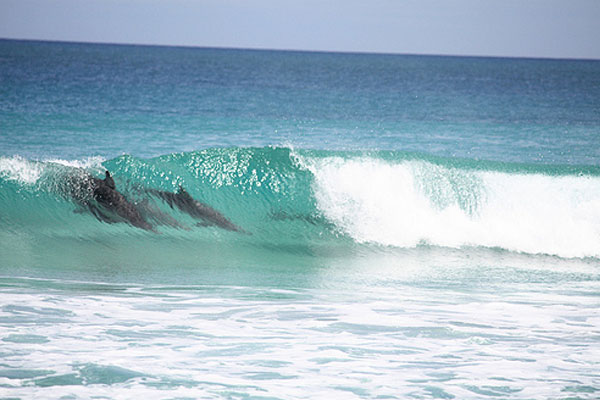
<point>410,226</point>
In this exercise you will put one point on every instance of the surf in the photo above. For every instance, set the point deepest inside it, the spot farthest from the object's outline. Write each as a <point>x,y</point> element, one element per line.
<point>301,200</point>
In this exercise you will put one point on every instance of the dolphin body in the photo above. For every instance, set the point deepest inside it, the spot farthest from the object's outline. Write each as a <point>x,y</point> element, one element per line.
<point>186,203</point>
<point>103,201</point>
<point>115,202</point>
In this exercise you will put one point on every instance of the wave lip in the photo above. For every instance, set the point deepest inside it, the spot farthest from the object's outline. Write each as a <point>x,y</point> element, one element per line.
<point>407,203</point>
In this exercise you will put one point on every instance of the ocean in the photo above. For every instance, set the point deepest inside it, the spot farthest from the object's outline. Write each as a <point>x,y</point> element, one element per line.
<point>297,225</point>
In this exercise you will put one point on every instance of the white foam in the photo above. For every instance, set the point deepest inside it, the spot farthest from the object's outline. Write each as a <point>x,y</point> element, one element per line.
<point>19,169</point>
<point>387,341</point>
<point>29,172</point>
<point>85,163</point>
<point>412,202</point>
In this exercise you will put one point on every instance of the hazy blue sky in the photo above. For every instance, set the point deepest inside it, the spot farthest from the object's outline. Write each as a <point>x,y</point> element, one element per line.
<point>533,28</point>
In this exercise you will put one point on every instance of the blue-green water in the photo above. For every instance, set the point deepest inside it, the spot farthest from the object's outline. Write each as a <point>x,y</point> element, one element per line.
<point>410,227</point>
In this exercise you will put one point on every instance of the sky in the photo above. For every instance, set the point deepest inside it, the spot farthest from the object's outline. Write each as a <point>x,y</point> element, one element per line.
<point>513,28</point>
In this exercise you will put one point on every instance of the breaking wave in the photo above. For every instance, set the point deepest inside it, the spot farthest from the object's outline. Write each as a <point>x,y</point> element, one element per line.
<point>305,200</point>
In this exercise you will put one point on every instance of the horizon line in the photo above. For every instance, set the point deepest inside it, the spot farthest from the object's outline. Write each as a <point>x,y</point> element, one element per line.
<point>292,50</point>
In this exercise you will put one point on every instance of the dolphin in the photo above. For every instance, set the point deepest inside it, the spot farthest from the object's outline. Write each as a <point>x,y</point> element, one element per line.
<point>186,203</point>
<point>102,199</point>
<point>110,199</point>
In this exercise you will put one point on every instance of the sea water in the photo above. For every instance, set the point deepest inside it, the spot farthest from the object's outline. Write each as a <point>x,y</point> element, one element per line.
<point>411,227</point>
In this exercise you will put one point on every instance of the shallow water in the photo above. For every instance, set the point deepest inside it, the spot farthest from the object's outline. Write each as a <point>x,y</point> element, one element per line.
<point>377,328</point>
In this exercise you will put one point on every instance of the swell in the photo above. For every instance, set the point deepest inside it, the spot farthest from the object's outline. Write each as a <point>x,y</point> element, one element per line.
<point>299,201</point>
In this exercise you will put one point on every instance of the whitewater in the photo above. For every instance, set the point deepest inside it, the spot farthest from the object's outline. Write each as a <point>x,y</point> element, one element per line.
<point>409,227</point>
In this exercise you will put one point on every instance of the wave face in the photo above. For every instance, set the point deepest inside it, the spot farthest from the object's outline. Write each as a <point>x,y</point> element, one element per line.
<point>298,202</point>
